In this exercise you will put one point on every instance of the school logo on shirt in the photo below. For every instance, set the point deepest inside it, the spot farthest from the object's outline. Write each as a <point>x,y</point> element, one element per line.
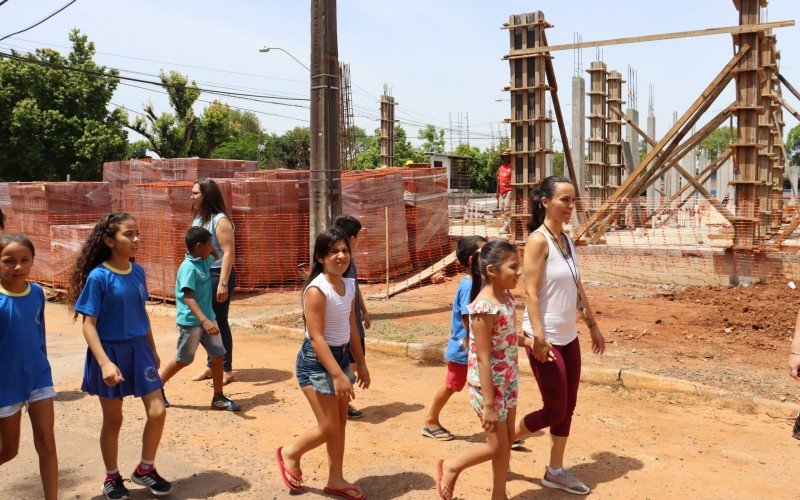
<point>150,374</point>
<point>143,292</point>
<point>38,316</point>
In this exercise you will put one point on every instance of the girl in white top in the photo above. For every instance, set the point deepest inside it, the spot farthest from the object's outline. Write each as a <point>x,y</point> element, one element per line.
<point>323,364</point>
<point>552,292</point>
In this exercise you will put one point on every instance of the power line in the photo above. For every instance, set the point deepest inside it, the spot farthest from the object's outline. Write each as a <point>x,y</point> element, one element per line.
<point>148,82</point>
<point>38,22</point>
<point>2,2</point>
<point>172,63</point>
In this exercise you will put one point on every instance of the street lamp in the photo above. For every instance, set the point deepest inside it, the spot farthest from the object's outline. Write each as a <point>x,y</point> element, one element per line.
<point>267,49</point>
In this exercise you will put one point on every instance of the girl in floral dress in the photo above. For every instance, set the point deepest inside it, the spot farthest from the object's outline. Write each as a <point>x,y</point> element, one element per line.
<point>492,370</point>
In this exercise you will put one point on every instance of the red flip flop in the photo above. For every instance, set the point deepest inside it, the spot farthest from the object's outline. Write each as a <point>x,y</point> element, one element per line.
<point>292,481</point>
<point>444,492</point>
<point>345,492</point>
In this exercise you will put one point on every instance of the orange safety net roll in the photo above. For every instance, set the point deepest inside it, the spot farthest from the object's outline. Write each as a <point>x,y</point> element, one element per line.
<point>271,219</point>
<point>39,205</point>
<point>66,242</point>
<point>121,173</point>
<point>425,196</point>
<point>192,169</point>
<point>367,195</point>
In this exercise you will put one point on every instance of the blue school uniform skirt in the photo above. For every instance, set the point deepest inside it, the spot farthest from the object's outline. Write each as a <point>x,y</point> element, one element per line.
<point>135,361</point>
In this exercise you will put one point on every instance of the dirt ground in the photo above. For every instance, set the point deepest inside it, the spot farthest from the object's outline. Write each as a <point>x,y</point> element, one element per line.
<point>624,444</point>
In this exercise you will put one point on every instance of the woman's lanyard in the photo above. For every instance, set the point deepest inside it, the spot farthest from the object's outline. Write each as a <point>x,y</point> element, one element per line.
<point>565,254</point>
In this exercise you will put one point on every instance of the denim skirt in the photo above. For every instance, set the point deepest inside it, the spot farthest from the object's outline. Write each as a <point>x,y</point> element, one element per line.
<point>311,372</point>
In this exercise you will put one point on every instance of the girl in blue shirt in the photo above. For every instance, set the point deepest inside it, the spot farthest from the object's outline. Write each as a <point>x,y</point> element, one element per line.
<point>25,376</point>
<point>109,290</point>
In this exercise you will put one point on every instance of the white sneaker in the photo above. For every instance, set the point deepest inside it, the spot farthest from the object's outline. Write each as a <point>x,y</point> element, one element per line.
<point>564,480</point>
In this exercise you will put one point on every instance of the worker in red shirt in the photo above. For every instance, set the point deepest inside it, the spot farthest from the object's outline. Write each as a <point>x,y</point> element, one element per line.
<point>504,190</point>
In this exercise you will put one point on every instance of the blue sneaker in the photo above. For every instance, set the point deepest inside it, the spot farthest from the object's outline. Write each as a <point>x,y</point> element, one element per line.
<point>220,402</point>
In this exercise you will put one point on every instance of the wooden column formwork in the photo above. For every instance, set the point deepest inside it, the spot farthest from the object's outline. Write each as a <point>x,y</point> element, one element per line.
<point>777,162</point>
<point>614,157</point>
<point>746,172</point>
<point>528,92</point>
<point>597,135</point>
<point>764,138</point>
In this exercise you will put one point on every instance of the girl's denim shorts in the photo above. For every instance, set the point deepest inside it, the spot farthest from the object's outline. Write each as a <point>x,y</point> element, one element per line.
<point>311,372</point>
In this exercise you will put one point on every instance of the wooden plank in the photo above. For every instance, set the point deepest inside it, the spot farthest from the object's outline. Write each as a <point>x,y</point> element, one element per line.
<point>786,106</point>
<point>701,103</point>
<point>788,231</point>
<point>738,29</point>
<point>633,125</point>
<point>700,189</point>
<point>788,85</point>
<point>562,129</point>
<point>702,176</point>
<point>697,186</point>
<point>416,279</point>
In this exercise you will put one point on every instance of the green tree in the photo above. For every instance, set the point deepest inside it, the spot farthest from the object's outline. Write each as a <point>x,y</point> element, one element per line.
<point>54,116</point>
<point>182,133</point>
<point>558,164</point>
<point>793,146</point>
<point>433,139</point>
<point>717,141</point>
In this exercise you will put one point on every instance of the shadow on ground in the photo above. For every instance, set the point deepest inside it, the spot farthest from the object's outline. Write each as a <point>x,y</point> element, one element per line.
<point>204,484</point>
<point>606,467</point>
<point>381,413</point>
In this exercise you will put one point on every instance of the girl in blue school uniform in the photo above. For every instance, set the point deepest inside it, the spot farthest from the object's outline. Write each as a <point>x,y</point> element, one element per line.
<point>108,289</point>
<point>25,376</point>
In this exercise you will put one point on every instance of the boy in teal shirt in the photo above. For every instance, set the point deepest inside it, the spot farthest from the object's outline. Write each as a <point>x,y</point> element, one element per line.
<point>195,316</point>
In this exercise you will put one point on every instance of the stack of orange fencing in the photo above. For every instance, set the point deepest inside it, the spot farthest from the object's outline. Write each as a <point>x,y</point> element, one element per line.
<point>40,205</point>
<point>163,212</point>
<point>270,213</point>
<point>425,196</point>
<point>121,173</point>
<point>66,242</point>
<point>366,195</point>
<point>192,169</point>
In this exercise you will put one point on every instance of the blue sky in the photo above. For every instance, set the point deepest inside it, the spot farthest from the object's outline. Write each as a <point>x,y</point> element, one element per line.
<point>441,58</point>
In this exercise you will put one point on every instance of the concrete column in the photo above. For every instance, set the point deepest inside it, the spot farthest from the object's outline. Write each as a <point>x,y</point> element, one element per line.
<point>548,141</point>
<point>633,138</point>
<point>724,175</point>
<point>653,197</point>
<point>579,131</point>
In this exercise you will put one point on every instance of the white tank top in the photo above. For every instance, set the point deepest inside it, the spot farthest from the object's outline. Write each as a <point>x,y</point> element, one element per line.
<point>337,309</point>
<point>558,295</point>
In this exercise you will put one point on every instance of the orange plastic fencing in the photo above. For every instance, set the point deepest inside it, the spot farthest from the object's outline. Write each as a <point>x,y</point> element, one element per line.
<point>425,198</point>
<point>271,219</point>
<point>269,210</point>
<point>375,198</point>
<point>121,173</point>
<point>37,206</point>
<point>192,169</point>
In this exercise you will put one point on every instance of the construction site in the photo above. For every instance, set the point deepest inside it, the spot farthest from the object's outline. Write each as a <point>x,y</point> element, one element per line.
<point>690,262</point>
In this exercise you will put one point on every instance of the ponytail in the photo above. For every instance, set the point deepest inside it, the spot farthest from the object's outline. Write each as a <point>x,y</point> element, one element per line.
<point>545,189</point>
<point>494,254</point>
<point>475,272</point>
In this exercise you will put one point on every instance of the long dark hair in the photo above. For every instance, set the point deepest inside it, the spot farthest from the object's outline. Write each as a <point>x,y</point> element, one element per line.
<point>212,203</point>
<point>546,189</point>
<point>493,253</point>
<point>7,239</point>
<point>94,252</point>
<point>322,245</point>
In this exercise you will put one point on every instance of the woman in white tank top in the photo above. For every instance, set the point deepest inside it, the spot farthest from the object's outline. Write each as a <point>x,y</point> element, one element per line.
<point>552,292</point>
<point>323,364</point>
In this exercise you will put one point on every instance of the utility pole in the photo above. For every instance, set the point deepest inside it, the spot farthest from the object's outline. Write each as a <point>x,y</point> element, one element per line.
<point>326,171</point>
